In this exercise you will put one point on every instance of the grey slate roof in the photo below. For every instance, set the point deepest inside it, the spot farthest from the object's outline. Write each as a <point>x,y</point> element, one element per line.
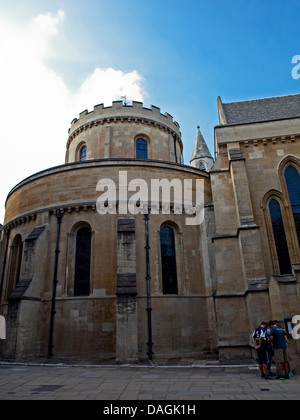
<point>259,110</point>
<point>200,148</point>
<point>20,289</point>
<point>35,233</point>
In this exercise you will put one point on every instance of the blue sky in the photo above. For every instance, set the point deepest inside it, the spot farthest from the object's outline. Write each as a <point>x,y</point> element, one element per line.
<point>179,55</point>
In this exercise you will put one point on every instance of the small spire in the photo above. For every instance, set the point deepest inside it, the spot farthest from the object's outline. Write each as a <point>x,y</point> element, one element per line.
<point>201,152</point>
<point>200,147</point>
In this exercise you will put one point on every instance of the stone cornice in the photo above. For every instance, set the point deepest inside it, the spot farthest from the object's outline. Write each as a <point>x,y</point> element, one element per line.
<point>71,208</point>
<point>121,119</point>
<point>266,131</point>
<point>25,218</point>
<point>271,140</point>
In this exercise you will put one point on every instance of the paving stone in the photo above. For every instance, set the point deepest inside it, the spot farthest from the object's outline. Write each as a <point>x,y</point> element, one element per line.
<point>142,384</point>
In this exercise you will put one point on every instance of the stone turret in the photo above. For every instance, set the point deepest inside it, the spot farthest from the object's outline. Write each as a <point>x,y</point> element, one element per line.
<point>201,157</point>
<point>112,133</point>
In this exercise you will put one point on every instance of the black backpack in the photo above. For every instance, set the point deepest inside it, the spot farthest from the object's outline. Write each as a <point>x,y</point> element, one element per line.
<point>257,333</point>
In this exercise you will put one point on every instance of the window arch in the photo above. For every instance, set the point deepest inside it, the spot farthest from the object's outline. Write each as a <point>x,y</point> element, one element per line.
<point>168,261</point>
<point>280,238</point>
<point>83,262</point>
<point>292,179</point>
<point>201,166</point>
<point>82,153</point>
<point>141,146</point>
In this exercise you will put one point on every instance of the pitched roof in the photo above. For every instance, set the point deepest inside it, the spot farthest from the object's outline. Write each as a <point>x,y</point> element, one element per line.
<point>200,147</point>
<point>35,233</point>
<point>20,289</point>
<point>259,110</point>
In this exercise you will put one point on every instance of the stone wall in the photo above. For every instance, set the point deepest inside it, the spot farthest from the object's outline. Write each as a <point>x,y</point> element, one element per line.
<point>247,171</point>
<point>112,321</point>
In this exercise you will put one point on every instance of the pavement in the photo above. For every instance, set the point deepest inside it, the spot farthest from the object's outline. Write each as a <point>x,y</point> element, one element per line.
<point>148,382</point>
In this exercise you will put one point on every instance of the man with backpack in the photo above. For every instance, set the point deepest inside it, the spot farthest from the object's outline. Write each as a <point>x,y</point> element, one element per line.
<point>260,341</point>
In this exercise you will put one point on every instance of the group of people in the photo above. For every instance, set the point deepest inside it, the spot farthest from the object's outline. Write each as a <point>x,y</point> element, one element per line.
<point>271,341</point>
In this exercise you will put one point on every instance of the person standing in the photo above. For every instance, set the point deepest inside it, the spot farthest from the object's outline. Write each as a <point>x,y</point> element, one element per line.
<point>260,341</point>
<point>270,349</point>
<point>279,340</point>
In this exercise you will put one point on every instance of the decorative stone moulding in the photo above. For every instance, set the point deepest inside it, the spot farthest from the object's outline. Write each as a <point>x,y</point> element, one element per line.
<point>273,140</point>
<point>76,207</point>
<point>20,220</point>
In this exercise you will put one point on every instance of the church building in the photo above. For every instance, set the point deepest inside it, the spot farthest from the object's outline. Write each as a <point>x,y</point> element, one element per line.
<point>91,269</point>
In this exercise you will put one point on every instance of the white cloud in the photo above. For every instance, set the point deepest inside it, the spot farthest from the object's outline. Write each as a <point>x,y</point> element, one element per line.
<point>42,30</point>
<point>36,106</point>
<point>109,85</point>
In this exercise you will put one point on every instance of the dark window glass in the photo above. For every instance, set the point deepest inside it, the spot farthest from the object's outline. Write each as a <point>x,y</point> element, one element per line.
<point>16,262</point>
<point>141,149</point>
<point>168,261</point>
<point>83,153</point>
<point>201,166</point>
<point>20,253</point>
<point>82,262</point>
<point>293,184</point>
<point>280,238</point>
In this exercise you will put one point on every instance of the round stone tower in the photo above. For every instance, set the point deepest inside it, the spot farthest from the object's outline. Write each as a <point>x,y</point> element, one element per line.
<point>122,131</point>
<point>73,281</point>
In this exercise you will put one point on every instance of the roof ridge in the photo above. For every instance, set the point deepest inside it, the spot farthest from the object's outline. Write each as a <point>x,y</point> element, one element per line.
<point>262,99</point>
<point>264,109</point>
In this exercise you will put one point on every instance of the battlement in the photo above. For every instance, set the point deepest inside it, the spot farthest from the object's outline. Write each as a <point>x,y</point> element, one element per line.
<point>119,112</point>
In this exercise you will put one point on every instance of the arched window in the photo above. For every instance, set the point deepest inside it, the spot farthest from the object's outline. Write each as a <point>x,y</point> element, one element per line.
<point>280,238</point>
<point>168,261</point>
<point>82,262</point>
<point>201,166</point>
<point>141,149</point>
<point>292,178</point>
<point>15,263</point>
<point>82,154</point>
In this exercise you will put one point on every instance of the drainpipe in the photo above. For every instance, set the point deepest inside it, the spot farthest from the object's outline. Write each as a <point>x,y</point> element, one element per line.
<point>4,261</point>
<point>59,217</point>
<point>148,278</point>
<point>175,151</point>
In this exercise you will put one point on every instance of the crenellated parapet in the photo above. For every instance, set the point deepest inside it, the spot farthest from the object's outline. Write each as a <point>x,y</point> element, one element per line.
<point>120,113</point>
